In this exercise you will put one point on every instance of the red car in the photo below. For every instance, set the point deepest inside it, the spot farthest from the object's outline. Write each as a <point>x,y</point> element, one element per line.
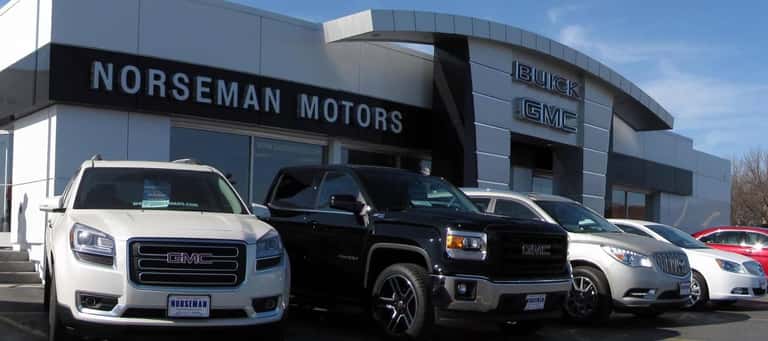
<point>748,241</point>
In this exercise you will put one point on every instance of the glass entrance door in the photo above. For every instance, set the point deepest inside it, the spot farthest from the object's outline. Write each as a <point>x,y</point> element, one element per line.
<point>6,152</point>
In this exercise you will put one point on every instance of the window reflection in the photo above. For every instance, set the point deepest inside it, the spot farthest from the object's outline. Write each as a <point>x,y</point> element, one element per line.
<point>269,156</point>
<point>229,153</point>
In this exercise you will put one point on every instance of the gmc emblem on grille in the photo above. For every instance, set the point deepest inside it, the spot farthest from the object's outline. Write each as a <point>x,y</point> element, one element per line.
<point>188,258</point>
<point>536,249</point>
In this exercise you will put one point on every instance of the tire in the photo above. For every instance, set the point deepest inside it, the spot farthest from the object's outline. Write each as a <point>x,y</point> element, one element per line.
<point>590,299</point>
<point>400,302</point>
<point>56,330</point>
<point>698,283</point>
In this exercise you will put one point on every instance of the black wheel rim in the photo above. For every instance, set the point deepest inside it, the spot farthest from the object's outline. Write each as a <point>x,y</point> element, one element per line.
<point>396,304</point>
<point>695,293</point>
<point>583,300</point>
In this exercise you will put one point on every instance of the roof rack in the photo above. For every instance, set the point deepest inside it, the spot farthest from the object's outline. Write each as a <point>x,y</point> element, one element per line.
<point>96,157</point>
<point>188,161</point>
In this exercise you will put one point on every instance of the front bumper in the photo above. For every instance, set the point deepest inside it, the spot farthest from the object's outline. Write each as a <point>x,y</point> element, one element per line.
<point>663,290</point>
<point>498,301</point>
<point>146,306</point>
<point>732,286</point>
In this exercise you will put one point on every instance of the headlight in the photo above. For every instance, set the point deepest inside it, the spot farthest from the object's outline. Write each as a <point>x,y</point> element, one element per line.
<point>269,251</point>
<point>92,245</point>
<point>628,257</point>
<point>731,266</point>
<point>466,245</point>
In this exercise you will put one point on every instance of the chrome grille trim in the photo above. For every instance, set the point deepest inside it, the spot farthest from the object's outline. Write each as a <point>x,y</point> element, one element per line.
<point>673,263</point>
<point>224,262</point>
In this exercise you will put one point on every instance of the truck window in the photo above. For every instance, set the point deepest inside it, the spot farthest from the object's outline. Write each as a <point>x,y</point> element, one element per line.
<point>335,183</point>
<point>514,210</point>
<point>295,189</point>
<point>481,203</point>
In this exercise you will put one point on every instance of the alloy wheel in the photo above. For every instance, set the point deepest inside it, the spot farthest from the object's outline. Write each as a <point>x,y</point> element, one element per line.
<point>396,304</point>
<point>584,297</point>
<point>695,293</point>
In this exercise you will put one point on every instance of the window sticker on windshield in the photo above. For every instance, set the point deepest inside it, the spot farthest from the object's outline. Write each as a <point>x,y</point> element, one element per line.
<point>156,194</point>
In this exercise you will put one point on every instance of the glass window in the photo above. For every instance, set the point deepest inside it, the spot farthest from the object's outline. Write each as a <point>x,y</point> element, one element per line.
<point>155,189</point>
<point>633,230</point>
<point>296,190</point>
<point>710,238</point>
<point>542,184</point>
<point>626,204</point>
<point>336,183</point>
<point>397,191</point>
<point>481,203</point>
<point>576,218</point>
<point>359,157</point>
<point>229,153</point>
<point>636,205</point>
<point>756,240</point>
<point>269,156</point>
<point>725,237</point>
<point>514,210</point>
<point>677,237</point>
<point>618,207</point>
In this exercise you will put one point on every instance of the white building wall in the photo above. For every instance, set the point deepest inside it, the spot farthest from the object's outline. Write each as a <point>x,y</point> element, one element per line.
<point>33,146</point>
<point>25,25</point>
<point>239,38</point>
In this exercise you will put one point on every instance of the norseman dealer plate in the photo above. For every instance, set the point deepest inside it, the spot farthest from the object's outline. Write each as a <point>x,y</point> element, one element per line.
<point>189,306</point>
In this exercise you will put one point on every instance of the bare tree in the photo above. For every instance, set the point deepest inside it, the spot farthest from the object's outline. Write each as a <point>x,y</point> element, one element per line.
<point>749,188</point>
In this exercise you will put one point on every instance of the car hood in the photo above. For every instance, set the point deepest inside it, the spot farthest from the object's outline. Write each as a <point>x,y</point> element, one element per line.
<point>631,242</point>
<point>127,224</point>
<point>715,253</point>
<point>467,221</point>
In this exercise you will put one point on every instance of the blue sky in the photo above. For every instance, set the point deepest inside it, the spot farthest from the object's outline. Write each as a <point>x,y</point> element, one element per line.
<point>702,60</point>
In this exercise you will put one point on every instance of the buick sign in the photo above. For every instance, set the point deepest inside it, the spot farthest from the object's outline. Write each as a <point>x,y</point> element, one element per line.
<point>536,249</point>
<point>188,258</point>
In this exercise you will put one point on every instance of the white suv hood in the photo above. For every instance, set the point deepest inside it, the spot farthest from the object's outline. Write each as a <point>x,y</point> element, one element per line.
<point>127,224</point>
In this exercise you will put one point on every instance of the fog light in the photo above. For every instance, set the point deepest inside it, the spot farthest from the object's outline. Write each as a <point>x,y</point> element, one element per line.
<point>96,301</point>
<point>740,291</point>
<point>466,290</point>
<point>265,304</point>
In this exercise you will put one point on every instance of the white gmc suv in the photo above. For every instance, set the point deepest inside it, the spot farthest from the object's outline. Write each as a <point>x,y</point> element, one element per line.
<point>158,245</point>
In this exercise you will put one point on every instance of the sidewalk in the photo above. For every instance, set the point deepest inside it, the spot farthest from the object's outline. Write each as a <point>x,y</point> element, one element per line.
<point>21,313</point>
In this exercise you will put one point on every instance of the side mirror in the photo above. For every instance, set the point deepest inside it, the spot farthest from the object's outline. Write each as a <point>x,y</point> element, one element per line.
<point>260,211</point>
<point>346,203</point>
<point>53,204</point>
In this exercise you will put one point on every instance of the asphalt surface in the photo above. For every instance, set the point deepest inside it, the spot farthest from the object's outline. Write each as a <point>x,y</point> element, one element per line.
<point>21,318</point>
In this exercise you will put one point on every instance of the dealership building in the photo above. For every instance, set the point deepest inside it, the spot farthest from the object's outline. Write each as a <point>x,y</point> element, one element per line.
<point>248,91</point>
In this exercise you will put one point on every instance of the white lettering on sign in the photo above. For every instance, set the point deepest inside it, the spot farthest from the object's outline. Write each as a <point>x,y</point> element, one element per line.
<point>183,87</point>
<point>546,80</point>
<point>548,115</point>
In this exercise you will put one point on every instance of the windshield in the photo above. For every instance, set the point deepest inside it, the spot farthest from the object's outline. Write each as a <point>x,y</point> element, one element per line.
<point>677,237</point>
<point>156,189</point>
<point>575,218</point>
<point>396,191</point>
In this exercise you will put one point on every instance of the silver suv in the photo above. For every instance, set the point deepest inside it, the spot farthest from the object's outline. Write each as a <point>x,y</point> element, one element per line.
<point>612,270</point>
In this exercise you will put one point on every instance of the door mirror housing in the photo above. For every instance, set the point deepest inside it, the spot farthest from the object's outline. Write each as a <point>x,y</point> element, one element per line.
<point>260,211</point>
<point>347,203</point>
<point>53,204</point>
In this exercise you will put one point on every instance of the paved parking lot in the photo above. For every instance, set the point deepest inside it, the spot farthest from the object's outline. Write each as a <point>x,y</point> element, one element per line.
<point>21,319</point>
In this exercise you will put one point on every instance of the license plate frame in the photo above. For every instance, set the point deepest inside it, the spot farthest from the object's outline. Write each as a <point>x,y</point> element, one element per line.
<point>535,302</point>
<point>684,288</point>
<point>196,307</point>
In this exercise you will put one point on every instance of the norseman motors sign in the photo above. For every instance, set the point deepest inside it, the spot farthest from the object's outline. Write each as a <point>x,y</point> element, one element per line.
<point>136,83</point>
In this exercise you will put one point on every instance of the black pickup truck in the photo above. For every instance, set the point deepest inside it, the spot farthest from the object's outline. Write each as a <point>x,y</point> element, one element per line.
<point>414,249</point>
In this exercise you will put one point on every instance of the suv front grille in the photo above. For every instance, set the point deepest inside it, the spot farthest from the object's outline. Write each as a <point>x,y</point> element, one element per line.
<point>544,255</point>
<point>191,262</point>
<point>673,263</point>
